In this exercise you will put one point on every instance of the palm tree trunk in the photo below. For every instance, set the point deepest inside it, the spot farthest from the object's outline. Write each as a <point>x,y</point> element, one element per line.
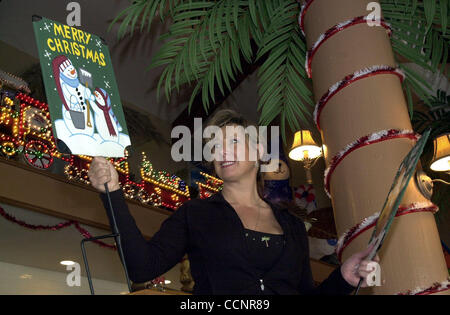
<point>411,256</point>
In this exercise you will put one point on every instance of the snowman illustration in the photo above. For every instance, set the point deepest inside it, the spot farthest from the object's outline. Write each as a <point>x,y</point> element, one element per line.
<point>112,140</point>
<point>107,125</point>
<point>76,128</point>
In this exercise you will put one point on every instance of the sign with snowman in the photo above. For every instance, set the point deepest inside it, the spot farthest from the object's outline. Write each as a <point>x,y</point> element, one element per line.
<point>81,89</point>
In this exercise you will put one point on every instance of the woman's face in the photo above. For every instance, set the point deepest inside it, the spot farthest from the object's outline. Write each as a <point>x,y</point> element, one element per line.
<point>234,158</point>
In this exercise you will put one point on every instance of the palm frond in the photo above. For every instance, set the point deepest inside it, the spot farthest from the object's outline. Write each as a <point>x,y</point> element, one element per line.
<point>204,45</point>
<point>208,41</point>
<point>145,11</point>
<point>419,35</point>
<point>282,77</point>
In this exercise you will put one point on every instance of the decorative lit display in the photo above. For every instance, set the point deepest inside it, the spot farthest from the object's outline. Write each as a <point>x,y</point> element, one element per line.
<point>26,129</point>
<point>158,190</point>
<point>210,187</point>
<point>8,148</point>
<point>163,189</point>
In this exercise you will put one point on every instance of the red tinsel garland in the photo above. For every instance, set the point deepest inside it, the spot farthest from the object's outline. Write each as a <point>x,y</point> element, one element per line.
<point>349,79</point>
<point>362,142</point>
<point>55,227</point>
<point>435,288</point>
<point>369,222</point>
<point>301,17</point>
<point>333,31</point>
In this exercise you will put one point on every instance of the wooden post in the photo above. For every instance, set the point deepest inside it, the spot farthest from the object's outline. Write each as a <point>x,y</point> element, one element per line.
<point>411,256</point>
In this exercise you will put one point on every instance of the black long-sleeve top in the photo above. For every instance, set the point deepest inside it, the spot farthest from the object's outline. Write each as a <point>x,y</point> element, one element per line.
<point>212,234</point>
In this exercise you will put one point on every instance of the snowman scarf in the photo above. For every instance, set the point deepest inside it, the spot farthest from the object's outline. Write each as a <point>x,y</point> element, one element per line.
<point>71,82</point>
<point>106,108</point>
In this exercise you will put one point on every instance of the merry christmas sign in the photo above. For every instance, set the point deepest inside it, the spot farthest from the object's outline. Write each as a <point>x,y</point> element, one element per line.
<point>82,93</point>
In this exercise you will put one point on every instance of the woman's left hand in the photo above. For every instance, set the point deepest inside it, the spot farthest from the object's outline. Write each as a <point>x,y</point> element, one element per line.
<point>355,267</point>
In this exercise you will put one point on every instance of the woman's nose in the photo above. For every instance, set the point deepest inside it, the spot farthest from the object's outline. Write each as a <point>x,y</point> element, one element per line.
<point>221,155</point>
<point>227,154</point>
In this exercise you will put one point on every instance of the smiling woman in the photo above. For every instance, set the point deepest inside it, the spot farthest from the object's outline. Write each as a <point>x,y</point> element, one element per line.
<point>237,242</point>
<point>239,146</point>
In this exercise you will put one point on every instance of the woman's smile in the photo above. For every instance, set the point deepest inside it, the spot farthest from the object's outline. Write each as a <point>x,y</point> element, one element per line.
<point>225,164</point>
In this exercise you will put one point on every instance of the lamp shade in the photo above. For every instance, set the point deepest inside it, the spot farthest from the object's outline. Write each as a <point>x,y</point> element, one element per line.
<point>441,156</point>
<point>304,147</point>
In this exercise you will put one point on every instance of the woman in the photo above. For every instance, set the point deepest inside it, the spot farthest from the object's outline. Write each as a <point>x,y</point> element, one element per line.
<point>237,242</point>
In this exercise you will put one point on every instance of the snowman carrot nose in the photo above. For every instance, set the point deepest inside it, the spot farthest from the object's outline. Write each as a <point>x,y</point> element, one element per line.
<point>72,72</point>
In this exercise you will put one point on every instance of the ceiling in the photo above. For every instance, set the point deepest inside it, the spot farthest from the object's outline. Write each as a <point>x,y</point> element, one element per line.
<point>45,249</point>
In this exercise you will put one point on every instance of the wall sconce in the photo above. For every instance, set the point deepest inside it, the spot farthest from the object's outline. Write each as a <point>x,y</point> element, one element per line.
<point>306,150</point>
<point>441,156</point>
<point>439,163</point>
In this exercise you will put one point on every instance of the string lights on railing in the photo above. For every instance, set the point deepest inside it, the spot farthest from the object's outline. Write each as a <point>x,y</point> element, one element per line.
<point>26,129</point>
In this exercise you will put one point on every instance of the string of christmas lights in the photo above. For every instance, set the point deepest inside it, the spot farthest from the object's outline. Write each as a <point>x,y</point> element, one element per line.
<point>212,186</point>
<point>30,134</point>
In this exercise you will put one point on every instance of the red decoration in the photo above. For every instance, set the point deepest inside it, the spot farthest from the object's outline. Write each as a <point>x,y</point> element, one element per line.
<point>38,154</point>
<point>55,227</point>
<point>367,223</point>
<point>29,131</point>
<point>305,197</point>
<point>370,222</point>
<point>333,31</point>
<point>211,186</point>
<point>435,288</point>
<point>358,75</point>
<point>158,280</point>
<point>301,18</point>
<point>362,142</point>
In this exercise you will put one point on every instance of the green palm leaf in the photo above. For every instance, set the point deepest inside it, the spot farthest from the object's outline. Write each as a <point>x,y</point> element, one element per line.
<point>147,10</point>
<point>419,29</point>
<point>207,41</point>
<point>206,34</point>
<point>282,78</point>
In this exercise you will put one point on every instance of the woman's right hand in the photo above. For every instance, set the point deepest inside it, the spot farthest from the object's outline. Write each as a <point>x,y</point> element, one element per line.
<point>100,172</point>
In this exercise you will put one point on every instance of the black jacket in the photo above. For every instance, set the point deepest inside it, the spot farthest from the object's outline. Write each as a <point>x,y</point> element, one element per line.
<point>212,234</point>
